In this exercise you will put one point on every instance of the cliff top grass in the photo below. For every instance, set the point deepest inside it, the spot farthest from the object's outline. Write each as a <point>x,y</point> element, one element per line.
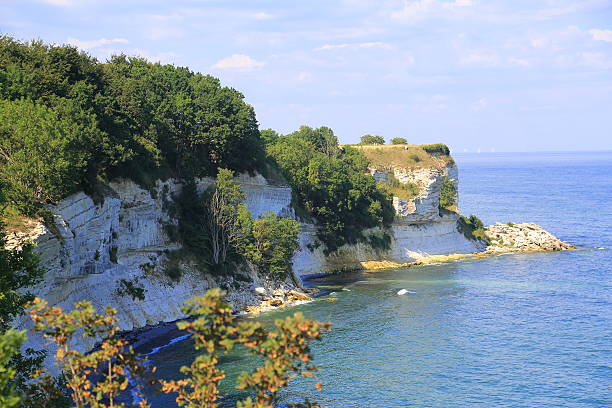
<point>385,157</point>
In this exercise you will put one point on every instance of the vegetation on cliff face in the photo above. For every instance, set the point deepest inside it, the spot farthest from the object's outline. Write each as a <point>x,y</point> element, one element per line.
<point>331,185</point>
<point>68,122</point>
<point>448,195</point>
<point>405,191</point>
<point>472,227</point>
<point>219,232</point>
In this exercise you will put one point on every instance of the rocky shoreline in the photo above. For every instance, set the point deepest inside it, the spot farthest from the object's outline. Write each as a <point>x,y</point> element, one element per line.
<point>503,239</point>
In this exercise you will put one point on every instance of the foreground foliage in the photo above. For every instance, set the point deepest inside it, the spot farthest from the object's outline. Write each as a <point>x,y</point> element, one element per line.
<point>10,343</point>
<point>286,353</point>
<point>111,364</point>
<point>97,379</point>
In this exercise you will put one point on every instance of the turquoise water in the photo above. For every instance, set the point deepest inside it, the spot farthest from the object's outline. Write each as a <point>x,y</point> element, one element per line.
<point>526,330</point>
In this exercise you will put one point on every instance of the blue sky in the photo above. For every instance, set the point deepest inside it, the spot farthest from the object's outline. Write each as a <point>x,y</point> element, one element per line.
<point>520,75</point>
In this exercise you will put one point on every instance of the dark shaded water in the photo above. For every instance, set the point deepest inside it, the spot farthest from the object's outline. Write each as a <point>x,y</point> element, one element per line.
<point>526,330</point>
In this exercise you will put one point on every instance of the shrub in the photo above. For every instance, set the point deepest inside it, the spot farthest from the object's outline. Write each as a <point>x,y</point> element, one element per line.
<point>398,141</point>
<point>472,228</point>
<point>448,194</point>
<point>438,148</point>
<point>132,289</point>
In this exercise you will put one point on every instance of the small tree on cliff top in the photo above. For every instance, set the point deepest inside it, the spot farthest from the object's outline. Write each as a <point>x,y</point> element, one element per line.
<point>372,140</point>
<point>398,141</point>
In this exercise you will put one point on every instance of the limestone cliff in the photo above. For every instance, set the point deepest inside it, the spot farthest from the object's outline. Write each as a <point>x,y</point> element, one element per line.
<point>419,230</point>
<point>127,237</point>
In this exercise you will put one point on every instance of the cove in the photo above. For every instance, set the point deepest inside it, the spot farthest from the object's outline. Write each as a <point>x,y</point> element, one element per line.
<point>528,330</point>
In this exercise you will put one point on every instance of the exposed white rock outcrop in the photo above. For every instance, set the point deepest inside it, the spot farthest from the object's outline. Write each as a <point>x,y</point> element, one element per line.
<point>97,245</point>
<point>525,237</point>
<point>128,237</point>
<point>424,207</point>
<point>409,242</point>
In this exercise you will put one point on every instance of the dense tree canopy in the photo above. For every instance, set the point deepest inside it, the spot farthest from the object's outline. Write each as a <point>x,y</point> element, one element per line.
<point>398,140</point>
<point>331,184</point>
<point>125,117</point>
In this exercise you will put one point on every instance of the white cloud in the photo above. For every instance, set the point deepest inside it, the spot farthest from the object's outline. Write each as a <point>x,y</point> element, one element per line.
<point>419,9</point>
<point>376,44</point>
<point>87,45</point>
<point>238,61</point>
<point>480,104</point>
<point>304,76</point>
<point>262,15</point>
<point>519,61</point>
<point>601,35</point>
<point>597,60</point>
<point>61,3</point>
<point>480,58</point>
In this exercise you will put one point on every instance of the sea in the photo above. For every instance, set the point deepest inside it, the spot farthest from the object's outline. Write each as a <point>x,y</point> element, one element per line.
<point>519,330</point>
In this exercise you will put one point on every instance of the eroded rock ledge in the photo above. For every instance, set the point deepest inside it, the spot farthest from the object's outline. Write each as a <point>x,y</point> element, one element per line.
<point>505,238</point>
<point>524,237</point>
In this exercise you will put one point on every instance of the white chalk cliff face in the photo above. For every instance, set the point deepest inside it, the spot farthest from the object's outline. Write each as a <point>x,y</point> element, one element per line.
<point>418,231</point>
<point>126,238</point>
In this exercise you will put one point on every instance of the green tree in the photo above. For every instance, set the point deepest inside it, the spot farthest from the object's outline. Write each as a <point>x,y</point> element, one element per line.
<point>123,118</point>
<point>224,202</point>
<point>10,344</point>
<point>269,243</point>
<point>334,190</point>
<point>42,153</point>
<point>399,141</point>
<point>323,139</point>
<point>372,140</point>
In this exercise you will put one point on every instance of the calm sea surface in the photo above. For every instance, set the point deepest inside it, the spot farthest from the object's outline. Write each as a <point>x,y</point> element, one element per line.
<point>528,330</point>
